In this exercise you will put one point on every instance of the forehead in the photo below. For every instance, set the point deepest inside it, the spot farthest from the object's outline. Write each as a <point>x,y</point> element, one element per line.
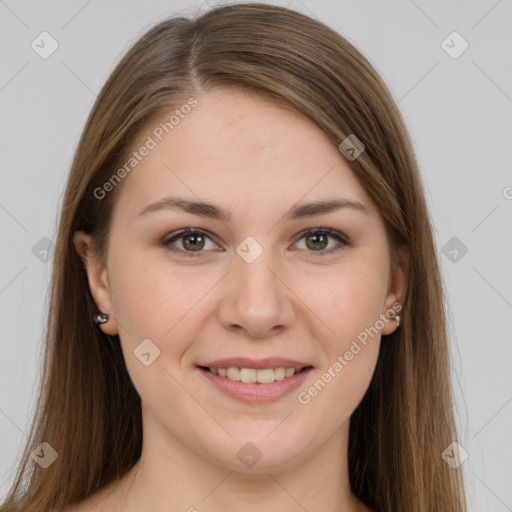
<point>237,149</point>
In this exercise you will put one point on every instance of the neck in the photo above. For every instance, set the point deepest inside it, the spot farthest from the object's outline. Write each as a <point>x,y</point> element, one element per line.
<point>177,478</point>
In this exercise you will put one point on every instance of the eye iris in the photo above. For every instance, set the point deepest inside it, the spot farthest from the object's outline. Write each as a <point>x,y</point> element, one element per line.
<point>196,246</point>
<point>317,236</point>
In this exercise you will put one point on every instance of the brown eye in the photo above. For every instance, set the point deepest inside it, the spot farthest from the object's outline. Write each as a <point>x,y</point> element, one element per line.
<point>316,241</point>
<point>189,242</point>
<point>193,242</point>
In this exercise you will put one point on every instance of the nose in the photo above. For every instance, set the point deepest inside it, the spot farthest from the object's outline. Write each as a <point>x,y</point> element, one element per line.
<point>256,298</point>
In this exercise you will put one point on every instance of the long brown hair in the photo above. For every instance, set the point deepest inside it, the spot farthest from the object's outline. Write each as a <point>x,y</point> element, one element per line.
<point>89,411</point>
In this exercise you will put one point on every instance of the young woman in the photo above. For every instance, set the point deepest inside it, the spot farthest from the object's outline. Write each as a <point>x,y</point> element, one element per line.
<point>246,310</point>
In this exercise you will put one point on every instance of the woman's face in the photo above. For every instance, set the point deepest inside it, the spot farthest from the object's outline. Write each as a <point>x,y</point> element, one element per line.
<point>259,283</point>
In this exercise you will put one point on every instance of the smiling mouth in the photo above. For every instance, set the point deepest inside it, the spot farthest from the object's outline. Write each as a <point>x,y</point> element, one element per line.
<point>255,375</point>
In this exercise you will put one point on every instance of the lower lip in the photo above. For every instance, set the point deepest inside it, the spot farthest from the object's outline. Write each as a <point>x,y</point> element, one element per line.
<point>256,393</point>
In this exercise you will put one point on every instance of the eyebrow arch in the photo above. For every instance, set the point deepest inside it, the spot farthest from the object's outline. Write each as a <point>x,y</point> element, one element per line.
<point>205,209</point>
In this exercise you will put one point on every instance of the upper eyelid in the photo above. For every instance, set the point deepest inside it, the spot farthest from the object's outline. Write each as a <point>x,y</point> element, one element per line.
<point>189,231</point>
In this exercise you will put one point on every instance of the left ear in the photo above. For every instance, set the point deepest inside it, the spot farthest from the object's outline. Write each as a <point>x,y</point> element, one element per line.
<point>397,287</point>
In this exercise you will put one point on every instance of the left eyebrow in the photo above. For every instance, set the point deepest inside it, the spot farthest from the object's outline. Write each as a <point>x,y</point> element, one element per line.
<point>209,210</point>
<point>312,209</point>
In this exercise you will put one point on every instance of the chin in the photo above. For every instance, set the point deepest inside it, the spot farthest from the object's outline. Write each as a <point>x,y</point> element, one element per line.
<point>253,454</point>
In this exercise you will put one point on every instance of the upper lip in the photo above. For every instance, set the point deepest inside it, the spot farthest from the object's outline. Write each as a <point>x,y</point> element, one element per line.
<point>245,362</point>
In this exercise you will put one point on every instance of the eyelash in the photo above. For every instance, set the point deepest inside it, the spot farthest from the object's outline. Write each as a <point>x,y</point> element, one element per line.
<point>342,239</point>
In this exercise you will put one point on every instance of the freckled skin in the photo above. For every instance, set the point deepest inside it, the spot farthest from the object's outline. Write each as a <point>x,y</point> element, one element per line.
<point>256,160</point>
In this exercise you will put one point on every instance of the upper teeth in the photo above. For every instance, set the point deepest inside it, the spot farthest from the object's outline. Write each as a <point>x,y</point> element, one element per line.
<point>263,375</point>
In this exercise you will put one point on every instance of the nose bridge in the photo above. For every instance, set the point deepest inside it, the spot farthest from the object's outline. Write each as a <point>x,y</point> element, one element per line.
<point>257,299</point>
<point>253,270</point>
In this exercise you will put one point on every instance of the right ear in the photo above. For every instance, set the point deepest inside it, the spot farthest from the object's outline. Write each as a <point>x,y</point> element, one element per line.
<point>98,279</point>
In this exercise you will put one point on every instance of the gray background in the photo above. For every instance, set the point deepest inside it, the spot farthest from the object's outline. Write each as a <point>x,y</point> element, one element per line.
<point>459,113</point>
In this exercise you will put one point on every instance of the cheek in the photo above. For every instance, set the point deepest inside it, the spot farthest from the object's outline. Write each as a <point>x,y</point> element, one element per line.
<point>167,305</point>
<point>347,299</point>
<point>151,295</point>
<point>349,305</point>
<point>157,304</point>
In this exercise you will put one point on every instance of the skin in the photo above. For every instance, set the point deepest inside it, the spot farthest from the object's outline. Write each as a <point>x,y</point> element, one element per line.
<point>257,160</point>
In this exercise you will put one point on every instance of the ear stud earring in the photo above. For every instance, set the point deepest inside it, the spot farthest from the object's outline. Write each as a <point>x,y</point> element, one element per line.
<point>397,318</point>
<point>101,318</point>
